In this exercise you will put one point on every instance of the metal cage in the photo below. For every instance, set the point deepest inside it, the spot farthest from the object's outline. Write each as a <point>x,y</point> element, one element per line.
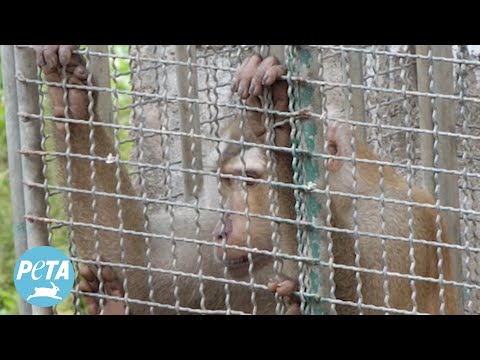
<point>165,107</point>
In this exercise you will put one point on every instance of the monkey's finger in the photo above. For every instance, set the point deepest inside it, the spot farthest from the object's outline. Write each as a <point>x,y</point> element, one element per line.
<point>238,75</point>
<point>268,78</point>
<point>113,285</point>
<point>39,54</point>
<point>92,306</point>
<point>286,288</point>
<point>50,55</point>
<point>78,98</point>
<point>89,279</point>
<point>247,75</point>
<point>65,53</point>
<point>273,74</point>
<point>293,309</point>
<point>91,303</point>
<point>114,308</point>
<point>108,274</point>
<point>254,118</point>
<point>259,75</point>
<point>84,286</point>
<point>272,286</point>
<point>256,83</point>
<point>87,273</point>
<point>280,95</point>
<point>80,73</point>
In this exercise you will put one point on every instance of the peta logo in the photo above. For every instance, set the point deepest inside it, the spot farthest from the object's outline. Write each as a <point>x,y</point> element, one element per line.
<point>43,276</point>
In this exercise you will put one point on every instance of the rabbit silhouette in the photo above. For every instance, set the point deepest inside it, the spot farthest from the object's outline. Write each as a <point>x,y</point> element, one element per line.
<point>46,292</point>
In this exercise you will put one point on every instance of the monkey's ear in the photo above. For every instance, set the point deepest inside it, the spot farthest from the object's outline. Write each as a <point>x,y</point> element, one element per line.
<point>338,144</point>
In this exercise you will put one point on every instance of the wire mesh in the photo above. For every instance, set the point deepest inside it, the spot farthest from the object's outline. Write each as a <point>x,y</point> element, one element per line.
<point>149,206</point>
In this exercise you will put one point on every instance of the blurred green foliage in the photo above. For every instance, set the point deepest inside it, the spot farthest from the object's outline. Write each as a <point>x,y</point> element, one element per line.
<point>8,295</point>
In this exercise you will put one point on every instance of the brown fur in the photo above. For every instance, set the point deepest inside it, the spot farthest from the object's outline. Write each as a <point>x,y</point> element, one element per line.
<point>188,288</point>
<point>396,224</point>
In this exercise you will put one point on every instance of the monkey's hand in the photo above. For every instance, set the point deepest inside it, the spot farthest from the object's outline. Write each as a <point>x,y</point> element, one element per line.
<point>111,286</point>
<point>249,81</point>
<point>53,59</point>
<point>286,289</point>
<point>255,73</point>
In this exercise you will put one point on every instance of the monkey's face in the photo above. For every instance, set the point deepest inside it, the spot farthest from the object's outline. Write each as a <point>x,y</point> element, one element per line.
<point>240,227</point>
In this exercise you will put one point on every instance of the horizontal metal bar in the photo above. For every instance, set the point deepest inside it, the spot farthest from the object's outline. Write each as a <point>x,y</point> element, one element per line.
<point>263,146</point>
<point>266,217</point>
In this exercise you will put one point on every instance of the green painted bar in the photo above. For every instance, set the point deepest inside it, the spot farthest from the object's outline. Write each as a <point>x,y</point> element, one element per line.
<point>301,64</point>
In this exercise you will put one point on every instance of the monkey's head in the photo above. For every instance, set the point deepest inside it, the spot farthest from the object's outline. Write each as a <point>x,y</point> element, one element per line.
<point>245,199</point>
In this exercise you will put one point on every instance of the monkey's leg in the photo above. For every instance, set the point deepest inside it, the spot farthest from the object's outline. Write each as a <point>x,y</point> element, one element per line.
<point>109,178</point>
<point>112,287</point>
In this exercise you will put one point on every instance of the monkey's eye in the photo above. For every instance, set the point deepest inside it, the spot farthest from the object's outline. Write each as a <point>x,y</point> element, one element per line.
<point>253,175</point>
<point>225,181</point>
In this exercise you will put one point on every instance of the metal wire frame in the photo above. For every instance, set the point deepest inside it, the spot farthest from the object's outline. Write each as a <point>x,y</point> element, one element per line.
<point>174,99</point>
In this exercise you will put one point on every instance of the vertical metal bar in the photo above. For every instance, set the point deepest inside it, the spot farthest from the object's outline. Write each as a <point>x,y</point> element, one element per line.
<point>100,69</point>
<point>426,121</point>
<point>304,64</point>
<point>355,73</point>
<point>193,126</point>
<point>32,165</point>
<point>14,161</point>
<point>447,152</point>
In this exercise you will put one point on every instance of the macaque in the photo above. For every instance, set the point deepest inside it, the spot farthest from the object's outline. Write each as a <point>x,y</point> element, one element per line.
<point>396,220</point>
<point>179,293</point>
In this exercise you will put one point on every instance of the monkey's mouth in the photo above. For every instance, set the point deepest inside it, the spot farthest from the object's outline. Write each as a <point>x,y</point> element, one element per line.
<point>238,267</point>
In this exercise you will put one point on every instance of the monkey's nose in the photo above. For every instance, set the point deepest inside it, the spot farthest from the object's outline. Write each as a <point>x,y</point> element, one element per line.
<point>223,231</point>
<point>221,237</point>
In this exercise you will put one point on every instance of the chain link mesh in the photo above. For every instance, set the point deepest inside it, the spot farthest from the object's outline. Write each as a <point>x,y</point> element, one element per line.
<point>147,140</point>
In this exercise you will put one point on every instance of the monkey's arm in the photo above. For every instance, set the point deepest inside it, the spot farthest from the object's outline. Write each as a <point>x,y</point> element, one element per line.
<point>76,142</point>
<point>249,81</point>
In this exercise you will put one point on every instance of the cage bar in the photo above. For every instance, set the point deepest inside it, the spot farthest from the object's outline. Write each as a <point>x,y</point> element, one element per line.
<point>447,151</point>
<point>32,165</point>
<point>355,74</point>
<point>14,161</point>
<point>425,117</point>
<point>318,76</point>
<point>189,119</point>
<point>302,62</point>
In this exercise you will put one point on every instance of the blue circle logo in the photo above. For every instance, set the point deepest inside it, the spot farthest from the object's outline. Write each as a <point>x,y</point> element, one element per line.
<point>43,276</point>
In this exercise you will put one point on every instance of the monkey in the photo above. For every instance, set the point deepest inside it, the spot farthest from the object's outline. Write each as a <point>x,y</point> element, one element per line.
<point>228,237</point>
<point>116,245</point>
<point>369,219</point>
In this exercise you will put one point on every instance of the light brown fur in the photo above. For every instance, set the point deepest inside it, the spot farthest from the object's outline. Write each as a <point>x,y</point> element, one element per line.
<point>396,224</point>
<point>261,230</point>
<point>109,249</point>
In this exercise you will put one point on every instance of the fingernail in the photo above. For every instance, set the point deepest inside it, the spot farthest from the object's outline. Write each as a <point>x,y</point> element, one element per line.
<point>264,80</point>
<point>240,90</point>
<point>252,89</point>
